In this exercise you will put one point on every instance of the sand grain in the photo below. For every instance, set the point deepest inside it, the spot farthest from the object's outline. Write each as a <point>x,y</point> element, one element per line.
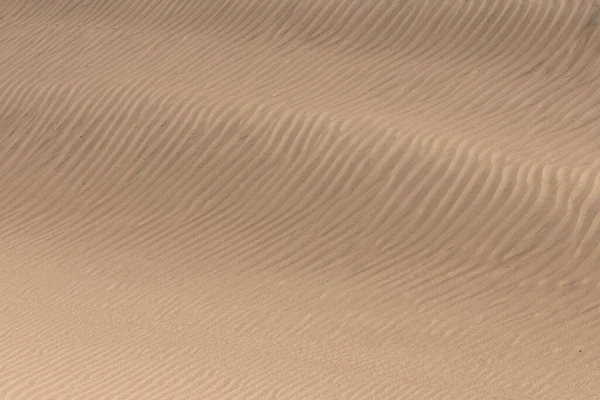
<point>299,199</point>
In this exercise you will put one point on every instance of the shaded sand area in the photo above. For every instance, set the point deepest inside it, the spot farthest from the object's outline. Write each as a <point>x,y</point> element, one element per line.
<point>316,199</point>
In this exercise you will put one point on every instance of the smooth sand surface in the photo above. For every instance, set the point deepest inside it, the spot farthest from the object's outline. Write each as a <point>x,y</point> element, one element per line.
<point>300,199</point>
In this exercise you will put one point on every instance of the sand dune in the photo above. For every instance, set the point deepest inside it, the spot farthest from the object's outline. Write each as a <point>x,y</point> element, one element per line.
<point>314,199</point>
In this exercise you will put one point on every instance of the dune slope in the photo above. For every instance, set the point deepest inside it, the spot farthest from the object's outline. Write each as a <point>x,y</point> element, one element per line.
<point>300,199</point>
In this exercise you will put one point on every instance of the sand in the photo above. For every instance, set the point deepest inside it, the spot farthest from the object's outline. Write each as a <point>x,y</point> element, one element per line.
<point>300,199</point>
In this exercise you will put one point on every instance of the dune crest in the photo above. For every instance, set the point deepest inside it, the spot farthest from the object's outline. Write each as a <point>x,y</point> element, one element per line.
<point>300,199</point>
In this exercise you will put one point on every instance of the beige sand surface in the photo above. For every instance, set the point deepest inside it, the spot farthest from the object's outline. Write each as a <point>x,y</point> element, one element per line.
<point>300,199</point>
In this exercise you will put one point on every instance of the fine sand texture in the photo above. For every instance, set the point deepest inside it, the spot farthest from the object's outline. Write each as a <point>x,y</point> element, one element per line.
<point>300,199</point>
